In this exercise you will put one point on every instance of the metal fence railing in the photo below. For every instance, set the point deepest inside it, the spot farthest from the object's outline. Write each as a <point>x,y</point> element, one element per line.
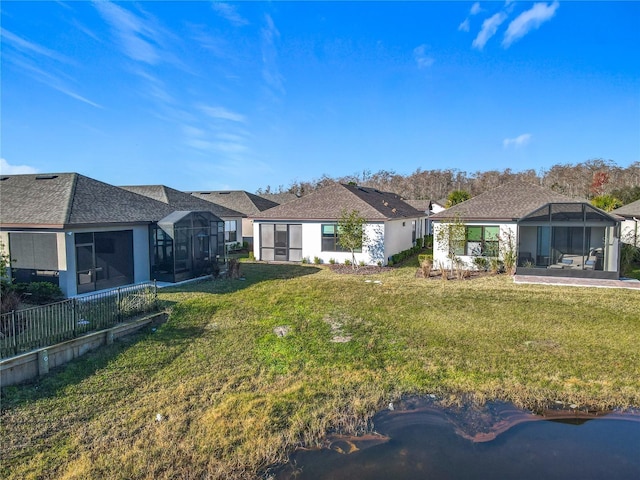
<point>37,327</point>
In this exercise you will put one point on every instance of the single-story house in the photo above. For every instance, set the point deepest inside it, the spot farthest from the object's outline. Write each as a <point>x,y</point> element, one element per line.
<point>430,208</point>
<point>233,220</point>
<point>307,228</point>
<point>240,201</point>
<point>85,235</point>
<point>631,223</point>
<point>550,234</point>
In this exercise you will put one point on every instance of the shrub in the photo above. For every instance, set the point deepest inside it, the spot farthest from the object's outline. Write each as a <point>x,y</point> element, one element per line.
<point>629,254</point>
<point>426,266</point>
<point>423,257</point>
<point>317,260</point>
<point>305,260</point>
<point>9,301</point>
<point>215,270</point>
<point>252,257</point>
<point>39,293</point>
<point>481,263</point>
<point>361,263</point>
<point>497,266</point>
<point>347,262</point>
<point>332,261</point>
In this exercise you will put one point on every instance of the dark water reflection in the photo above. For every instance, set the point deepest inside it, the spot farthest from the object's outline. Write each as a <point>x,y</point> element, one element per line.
<point>498,442</point>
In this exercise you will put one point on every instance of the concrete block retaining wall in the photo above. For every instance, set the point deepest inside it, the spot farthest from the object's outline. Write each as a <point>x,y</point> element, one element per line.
<point>24,367</point>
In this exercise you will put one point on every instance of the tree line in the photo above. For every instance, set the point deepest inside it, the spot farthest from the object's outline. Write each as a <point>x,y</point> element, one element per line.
<point>588,180</point>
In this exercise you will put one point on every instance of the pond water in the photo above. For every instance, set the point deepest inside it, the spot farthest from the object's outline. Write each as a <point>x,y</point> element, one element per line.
<point>420,440</point>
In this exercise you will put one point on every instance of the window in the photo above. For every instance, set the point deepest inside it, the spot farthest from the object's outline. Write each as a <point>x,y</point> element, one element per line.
<point>482,241</point>
<point>230,231</point>
<point>330,236</point>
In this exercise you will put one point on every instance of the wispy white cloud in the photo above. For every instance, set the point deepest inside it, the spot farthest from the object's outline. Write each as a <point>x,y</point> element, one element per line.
<point>529,20</point>
<point>466,24</point>
<point>230,13</point>
<point>222,113</point>
<point>7,169</point>
<point>270,72</point>
<point>517,142</point>
<point>489,29</point>
<point>30,48</point>
<point>137,38</point>
<point>422,58</point>
<point>30,58</point>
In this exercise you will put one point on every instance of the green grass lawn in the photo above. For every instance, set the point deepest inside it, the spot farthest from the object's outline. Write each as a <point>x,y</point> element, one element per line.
<point>235,398</point>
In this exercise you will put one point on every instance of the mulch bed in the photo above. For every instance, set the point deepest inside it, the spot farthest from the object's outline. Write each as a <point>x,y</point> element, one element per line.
<point>359,270</point>
<point>468,275</point>
<point>374,269</point>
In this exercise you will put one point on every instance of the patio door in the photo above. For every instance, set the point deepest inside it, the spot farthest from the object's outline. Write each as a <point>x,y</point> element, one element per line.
<point>281,242</point>
<point>103,260</point>
<point>85,267</point>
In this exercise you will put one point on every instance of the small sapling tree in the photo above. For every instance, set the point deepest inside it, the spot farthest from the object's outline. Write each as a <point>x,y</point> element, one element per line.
<point>351,234</point>
<point>450,237</point>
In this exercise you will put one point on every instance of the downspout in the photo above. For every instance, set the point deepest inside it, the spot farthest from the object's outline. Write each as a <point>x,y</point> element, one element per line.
<point>635,232</point>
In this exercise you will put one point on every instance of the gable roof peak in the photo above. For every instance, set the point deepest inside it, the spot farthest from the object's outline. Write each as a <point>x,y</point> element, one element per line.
<point>509,201</point>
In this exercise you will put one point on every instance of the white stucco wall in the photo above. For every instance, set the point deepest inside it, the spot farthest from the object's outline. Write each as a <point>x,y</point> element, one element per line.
<point>440,257</point>
<point>631,232</point>
<point>384,239</point>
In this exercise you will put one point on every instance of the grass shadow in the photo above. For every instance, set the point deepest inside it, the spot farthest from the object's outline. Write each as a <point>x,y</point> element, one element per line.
<point>251,273</point>
<point>176,337</point>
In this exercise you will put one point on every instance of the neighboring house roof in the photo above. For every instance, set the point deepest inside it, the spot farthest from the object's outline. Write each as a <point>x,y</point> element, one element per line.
<point>508,202</point>
<point>329,202</point>
<point>279,198</point>
<point>181,200</point>
<point>629,211</point>
<point>70,199</point>
<point>238,200</point>
<point>422,205</point>
<point>426,205</point>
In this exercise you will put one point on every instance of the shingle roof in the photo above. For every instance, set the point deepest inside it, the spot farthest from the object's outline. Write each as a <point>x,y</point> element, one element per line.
<point>629,210</point>
<point>424,205</point>
<point>181,200</point>
<point>61,199</point>
<point>279,198</point>
<point>238,200</point>
<point>510,201</point>
<point>329,202</point>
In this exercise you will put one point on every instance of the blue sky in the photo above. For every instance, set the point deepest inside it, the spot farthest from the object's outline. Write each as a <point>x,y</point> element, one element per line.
<point>211,95</point>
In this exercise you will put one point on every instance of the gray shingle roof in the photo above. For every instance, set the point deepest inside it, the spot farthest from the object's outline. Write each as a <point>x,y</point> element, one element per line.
<point>279,198</point>
<point>238,200</point>
<point>329,202</point>
<point>181,200</point>
<point>510,201</point>
<point>629,210</point>
<point>72,199</point>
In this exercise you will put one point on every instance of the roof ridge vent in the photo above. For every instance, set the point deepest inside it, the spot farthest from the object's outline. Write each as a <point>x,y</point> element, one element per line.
<point>46,177</point>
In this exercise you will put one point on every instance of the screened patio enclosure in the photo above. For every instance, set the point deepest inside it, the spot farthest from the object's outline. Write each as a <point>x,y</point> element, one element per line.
<point>185,245</point>
<point>569,239</point>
